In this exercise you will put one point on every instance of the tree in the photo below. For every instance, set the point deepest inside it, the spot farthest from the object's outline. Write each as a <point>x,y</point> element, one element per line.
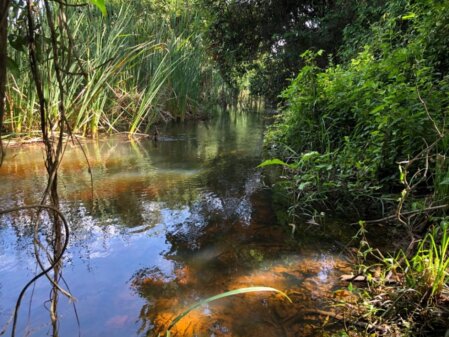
<point>269,36</point>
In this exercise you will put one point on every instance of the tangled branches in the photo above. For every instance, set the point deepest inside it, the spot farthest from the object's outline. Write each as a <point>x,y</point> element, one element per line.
<point>51,15</point>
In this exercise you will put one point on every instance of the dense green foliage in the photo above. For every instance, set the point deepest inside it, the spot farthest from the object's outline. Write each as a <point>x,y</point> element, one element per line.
<point>347,127</point>
<point>366,135</point>
<point>265,38</point>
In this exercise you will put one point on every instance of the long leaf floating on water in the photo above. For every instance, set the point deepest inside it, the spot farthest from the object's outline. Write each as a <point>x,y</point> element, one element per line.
<point>223,295</point>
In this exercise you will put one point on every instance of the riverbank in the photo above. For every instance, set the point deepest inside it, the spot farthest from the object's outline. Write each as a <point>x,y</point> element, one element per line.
<point>367,137</point>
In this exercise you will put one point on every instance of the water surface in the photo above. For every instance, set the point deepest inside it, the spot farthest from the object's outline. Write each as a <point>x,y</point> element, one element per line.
<point>166,224</point>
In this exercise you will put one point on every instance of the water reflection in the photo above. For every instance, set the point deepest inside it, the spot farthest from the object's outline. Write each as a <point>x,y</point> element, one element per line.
<point>167,224</point>
<point>224,254</point>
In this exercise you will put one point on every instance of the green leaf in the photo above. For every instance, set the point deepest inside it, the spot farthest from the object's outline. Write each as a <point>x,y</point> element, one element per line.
<point>350,287</point>
<point>100,5</point>
<point>303,185</point>
<point>12,66</point>
<point>223,295</point>
<point>409,16</point>
<point>275,161</point>
<point>445,182</point>
<point>378,108</point>
<point>309,155</point>
<point>18,43</point>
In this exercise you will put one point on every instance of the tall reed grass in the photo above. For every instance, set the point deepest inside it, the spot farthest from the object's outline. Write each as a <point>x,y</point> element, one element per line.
<point>427,270</point>
<point>140,66</point>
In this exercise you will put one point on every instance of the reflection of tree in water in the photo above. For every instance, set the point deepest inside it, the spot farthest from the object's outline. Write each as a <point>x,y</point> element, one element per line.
<point>125,173</point>
<point>216,266</point>
<point>125,207</point>
<point>21,224</point>
<point>229,241</point>
<point>225,254</point>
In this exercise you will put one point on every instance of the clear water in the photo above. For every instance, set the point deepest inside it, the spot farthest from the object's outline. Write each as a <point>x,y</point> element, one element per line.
<point>167,224</point>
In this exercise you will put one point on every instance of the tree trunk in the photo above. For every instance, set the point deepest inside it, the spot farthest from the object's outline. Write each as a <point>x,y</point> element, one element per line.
<point>4,6</point>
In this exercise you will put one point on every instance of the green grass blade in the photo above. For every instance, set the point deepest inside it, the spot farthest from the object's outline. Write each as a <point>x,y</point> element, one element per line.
<point>223,295</point>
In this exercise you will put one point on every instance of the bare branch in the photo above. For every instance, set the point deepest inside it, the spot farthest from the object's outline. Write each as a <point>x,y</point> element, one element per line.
<point>440,134</point>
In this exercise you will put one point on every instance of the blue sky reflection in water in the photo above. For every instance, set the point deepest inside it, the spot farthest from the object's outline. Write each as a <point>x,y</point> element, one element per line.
<point>169,223</point>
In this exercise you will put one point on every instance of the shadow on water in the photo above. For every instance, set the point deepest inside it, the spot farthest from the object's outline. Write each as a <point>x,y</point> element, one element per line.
<point>168,224</point>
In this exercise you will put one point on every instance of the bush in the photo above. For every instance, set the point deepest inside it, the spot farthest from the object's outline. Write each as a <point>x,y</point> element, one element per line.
<point>367,114</point>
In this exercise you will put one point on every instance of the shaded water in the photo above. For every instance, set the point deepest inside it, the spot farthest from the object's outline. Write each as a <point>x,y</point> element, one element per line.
<point>168,224</point>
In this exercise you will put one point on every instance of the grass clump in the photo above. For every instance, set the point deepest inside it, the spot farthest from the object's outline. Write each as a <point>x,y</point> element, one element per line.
<point>405,294</point>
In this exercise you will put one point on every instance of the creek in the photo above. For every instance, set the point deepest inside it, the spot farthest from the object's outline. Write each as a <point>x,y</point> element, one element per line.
<point>167,223</point>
